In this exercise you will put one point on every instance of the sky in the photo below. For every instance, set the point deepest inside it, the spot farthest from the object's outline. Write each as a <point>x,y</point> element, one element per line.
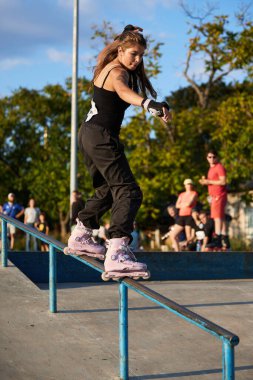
<point>36,38</point>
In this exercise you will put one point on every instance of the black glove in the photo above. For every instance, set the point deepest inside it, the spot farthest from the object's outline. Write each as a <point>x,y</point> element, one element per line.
<point>155,108</point>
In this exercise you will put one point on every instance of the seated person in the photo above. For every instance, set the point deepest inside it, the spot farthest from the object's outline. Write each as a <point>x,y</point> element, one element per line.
<point>202,232</point>
<point>196,226</point>
<point>173,213</point>
<point>208,228</point>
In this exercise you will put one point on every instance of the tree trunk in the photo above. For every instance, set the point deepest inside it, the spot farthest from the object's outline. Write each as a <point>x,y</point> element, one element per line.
<point>63,223</point>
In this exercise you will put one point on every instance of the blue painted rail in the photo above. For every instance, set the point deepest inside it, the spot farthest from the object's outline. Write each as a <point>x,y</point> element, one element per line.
<point>228,339</point>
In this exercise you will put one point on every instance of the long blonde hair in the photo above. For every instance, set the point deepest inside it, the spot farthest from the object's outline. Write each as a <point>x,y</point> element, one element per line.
<point>110,52</point>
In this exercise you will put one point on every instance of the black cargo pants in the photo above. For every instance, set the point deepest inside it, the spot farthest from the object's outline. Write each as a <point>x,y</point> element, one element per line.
<point>113,181</point>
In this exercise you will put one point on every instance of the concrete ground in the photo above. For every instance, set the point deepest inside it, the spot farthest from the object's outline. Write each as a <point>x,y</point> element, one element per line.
<point>80,342</point>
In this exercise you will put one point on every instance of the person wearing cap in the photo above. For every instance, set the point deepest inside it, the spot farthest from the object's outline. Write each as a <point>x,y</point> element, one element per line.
<point>15,211</point>
<point>186,201</point>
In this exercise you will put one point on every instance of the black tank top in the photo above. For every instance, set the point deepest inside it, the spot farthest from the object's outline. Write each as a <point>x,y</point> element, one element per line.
<point>108,108</point>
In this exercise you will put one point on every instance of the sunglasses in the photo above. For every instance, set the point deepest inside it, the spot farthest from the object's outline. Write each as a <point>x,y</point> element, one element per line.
<point>211,156</point>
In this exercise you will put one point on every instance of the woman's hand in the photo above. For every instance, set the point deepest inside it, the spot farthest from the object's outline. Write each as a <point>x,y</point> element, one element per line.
<point>157,109</point>
<point>167,115</point>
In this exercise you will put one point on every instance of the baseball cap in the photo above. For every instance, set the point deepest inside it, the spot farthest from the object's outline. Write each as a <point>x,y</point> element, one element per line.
<point>11,195</point>
<point>188,181</point>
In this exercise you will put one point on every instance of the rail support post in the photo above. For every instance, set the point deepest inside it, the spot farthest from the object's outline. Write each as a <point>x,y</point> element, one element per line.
<point>123,331</point>
<point>228,361</point>
<point>52,280</point>
<point>4,244</point>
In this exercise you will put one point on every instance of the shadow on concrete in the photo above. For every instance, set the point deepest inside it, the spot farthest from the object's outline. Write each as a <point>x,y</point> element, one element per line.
<point>220,304</point>
<point>11,265</point>
<point>86,311</point>
<point>153,307</point>
<point>184,374</point>
<point>73,285</point>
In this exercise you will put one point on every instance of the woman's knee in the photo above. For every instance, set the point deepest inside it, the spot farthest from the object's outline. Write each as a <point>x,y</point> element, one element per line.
<point>136,193</point>
<point>131,191</point>
<point>176,231</point>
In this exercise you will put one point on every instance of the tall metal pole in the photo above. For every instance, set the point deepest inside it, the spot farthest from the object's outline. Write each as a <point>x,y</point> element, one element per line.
<point>74,121</point>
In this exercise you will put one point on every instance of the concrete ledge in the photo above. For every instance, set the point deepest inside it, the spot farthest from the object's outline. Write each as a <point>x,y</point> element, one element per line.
<point>162,265</point>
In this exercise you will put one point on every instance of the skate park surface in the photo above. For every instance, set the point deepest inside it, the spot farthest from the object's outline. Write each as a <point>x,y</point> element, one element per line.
<point>80,341</point>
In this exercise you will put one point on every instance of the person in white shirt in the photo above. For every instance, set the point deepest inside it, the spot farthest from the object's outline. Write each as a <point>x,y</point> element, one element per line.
<point>31,217</point>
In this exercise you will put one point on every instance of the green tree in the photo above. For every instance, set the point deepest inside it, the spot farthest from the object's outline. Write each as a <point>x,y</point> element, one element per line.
<point>186,97</point>
<point>234,135</point>
<point>19,139</point>
<point>221,49</point>
<point>35,147</point>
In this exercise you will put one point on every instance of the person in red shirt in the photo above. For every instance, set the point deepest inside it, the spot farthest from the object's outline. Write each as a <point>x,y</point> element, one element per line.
<point>185,203</point>
<point>217,189</point>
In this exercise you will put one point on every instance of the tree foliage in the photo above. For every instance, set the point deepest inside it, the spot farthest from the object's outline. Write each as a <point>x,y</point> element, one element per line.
<point>222,51</point>
<point>35,147</point>
<point>234,135</point>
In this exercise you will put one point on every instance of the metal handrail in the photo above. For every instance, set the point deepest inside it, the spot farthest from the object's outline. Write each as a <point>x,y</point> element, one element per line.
<point>229,340</point>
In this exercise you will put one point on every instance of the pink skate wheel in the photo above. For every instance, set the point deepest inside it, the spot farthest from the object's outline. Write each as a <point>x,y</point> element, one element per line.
<point>147,275</point>
<point>66,250</point>
<point>104,278</point>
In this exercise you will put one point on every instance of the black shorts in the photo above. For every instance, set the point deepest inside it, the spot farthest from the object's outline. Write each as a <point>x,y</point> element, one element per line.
<point>184,220</point>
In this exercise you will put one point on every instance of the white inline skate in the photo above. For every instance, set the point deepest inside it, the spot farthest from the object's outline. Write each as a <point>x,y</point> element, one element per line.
<point>82,243</point>
<point>120,262</point>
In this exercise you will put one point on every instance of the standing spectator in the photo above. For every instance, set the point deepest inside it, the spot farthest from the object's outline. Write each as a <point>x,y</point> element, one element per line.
<point>136,242</point>
<point>77,204</point>
<point>42,226</point>
<point>185,203</point>
<point>217,189</point>
<point>14,210</point>
<point>31,217</point>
